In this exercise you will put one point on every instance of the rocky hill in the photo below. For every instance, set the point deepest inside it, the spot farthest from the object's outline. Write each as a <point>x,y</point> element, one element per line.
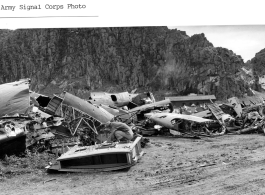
<point>253,71</point>
<point>258,65</point>
<point>117,59</point>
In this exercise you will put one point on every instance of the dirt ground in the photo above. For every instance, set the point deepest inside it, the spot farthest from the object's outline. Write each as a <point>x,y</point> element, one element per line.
<point>229,164</point>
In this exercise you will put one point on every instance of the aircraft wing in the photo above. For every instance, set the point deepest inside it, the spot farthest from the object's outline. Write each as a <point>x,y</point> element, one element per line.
<point>146,106</point>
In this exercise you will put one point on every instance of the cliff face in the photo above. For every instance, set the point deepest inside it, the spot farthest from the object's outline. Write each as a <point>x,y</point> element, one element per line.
<point>258,65</point>
<point>152,58</point>
<point>254,71</point>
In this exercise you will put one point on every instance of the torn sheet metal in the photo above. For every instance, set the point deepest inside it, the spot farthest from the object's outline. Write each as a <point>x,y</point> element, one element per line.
<point>86,107</point>
<point>14,97</point>
<point>203,114</point>
<point>46,104</point>
<point>228,120</point>
<point>143,98</point>
<point>9,130</point>
<point>251,100</point>
<point>112,99</point>
<point>54,105</point>
<point>148,106</point>
<point>237,106</point>
<point>217,112</point>
<point>12,135</point>
<point>112,110</point>
<point>123,114</point>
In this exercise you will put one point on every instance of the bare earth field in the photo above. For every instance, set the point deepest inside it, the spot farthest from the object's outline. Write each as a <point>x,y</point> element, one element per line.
<point>229,164</point>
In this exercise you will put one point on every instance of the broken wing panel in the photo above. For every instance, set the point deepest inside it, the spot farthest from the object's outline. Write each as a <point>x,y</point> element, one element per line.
<point>191,118</point>
<point>14,98</point>
<point>113,99</point>
<point>237,106</point>
<point>217,112</point>
<point>146,106</point>
<point>87,108</point>
<point>101,98</point>
<point>53,105</point>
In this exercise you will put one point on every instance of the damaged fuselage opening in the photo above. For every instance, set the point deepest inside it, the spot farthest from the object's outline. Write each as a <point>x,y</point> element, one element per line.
<point>114,98</point>
<point>39,99</point>
<point>43,101</point>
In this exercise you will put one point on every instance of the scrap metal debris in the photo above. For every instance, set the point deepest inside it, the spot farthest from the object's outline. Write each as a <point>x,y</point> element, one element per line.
<point>12,135</point>
<point>14,97</point>
<point>37,123</point>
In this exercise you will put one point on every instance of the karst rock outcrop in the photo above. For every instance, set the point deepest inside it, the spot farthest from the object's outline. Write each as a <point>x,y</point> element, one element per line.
<point>151,58</point>
<point>258,68</point>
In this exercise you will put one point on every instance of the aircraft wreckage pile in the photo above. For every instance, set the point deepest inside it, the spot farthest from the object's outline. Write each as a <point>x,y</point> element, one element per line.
<point>71,127</point>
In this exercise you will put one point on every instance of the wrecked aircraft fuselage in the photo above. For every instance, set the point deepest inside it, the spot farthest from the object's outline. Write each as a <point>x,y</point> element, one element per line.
<point>184,123</point>
<point>14,97</point>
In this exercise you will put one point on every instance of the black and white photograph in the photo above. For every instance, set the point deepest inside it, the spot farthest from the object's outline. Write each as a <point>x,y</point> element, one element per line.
<point>132,98</point>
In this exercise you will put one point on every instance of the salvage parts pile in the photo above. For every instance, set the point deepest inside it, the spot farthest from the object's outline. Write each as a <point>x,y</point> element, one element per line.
<point>69,128</point>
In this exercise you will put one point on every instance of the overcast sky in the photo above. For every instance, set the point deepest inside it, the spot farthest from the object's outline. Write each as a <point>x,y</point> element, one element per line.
<point>242,40</point>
